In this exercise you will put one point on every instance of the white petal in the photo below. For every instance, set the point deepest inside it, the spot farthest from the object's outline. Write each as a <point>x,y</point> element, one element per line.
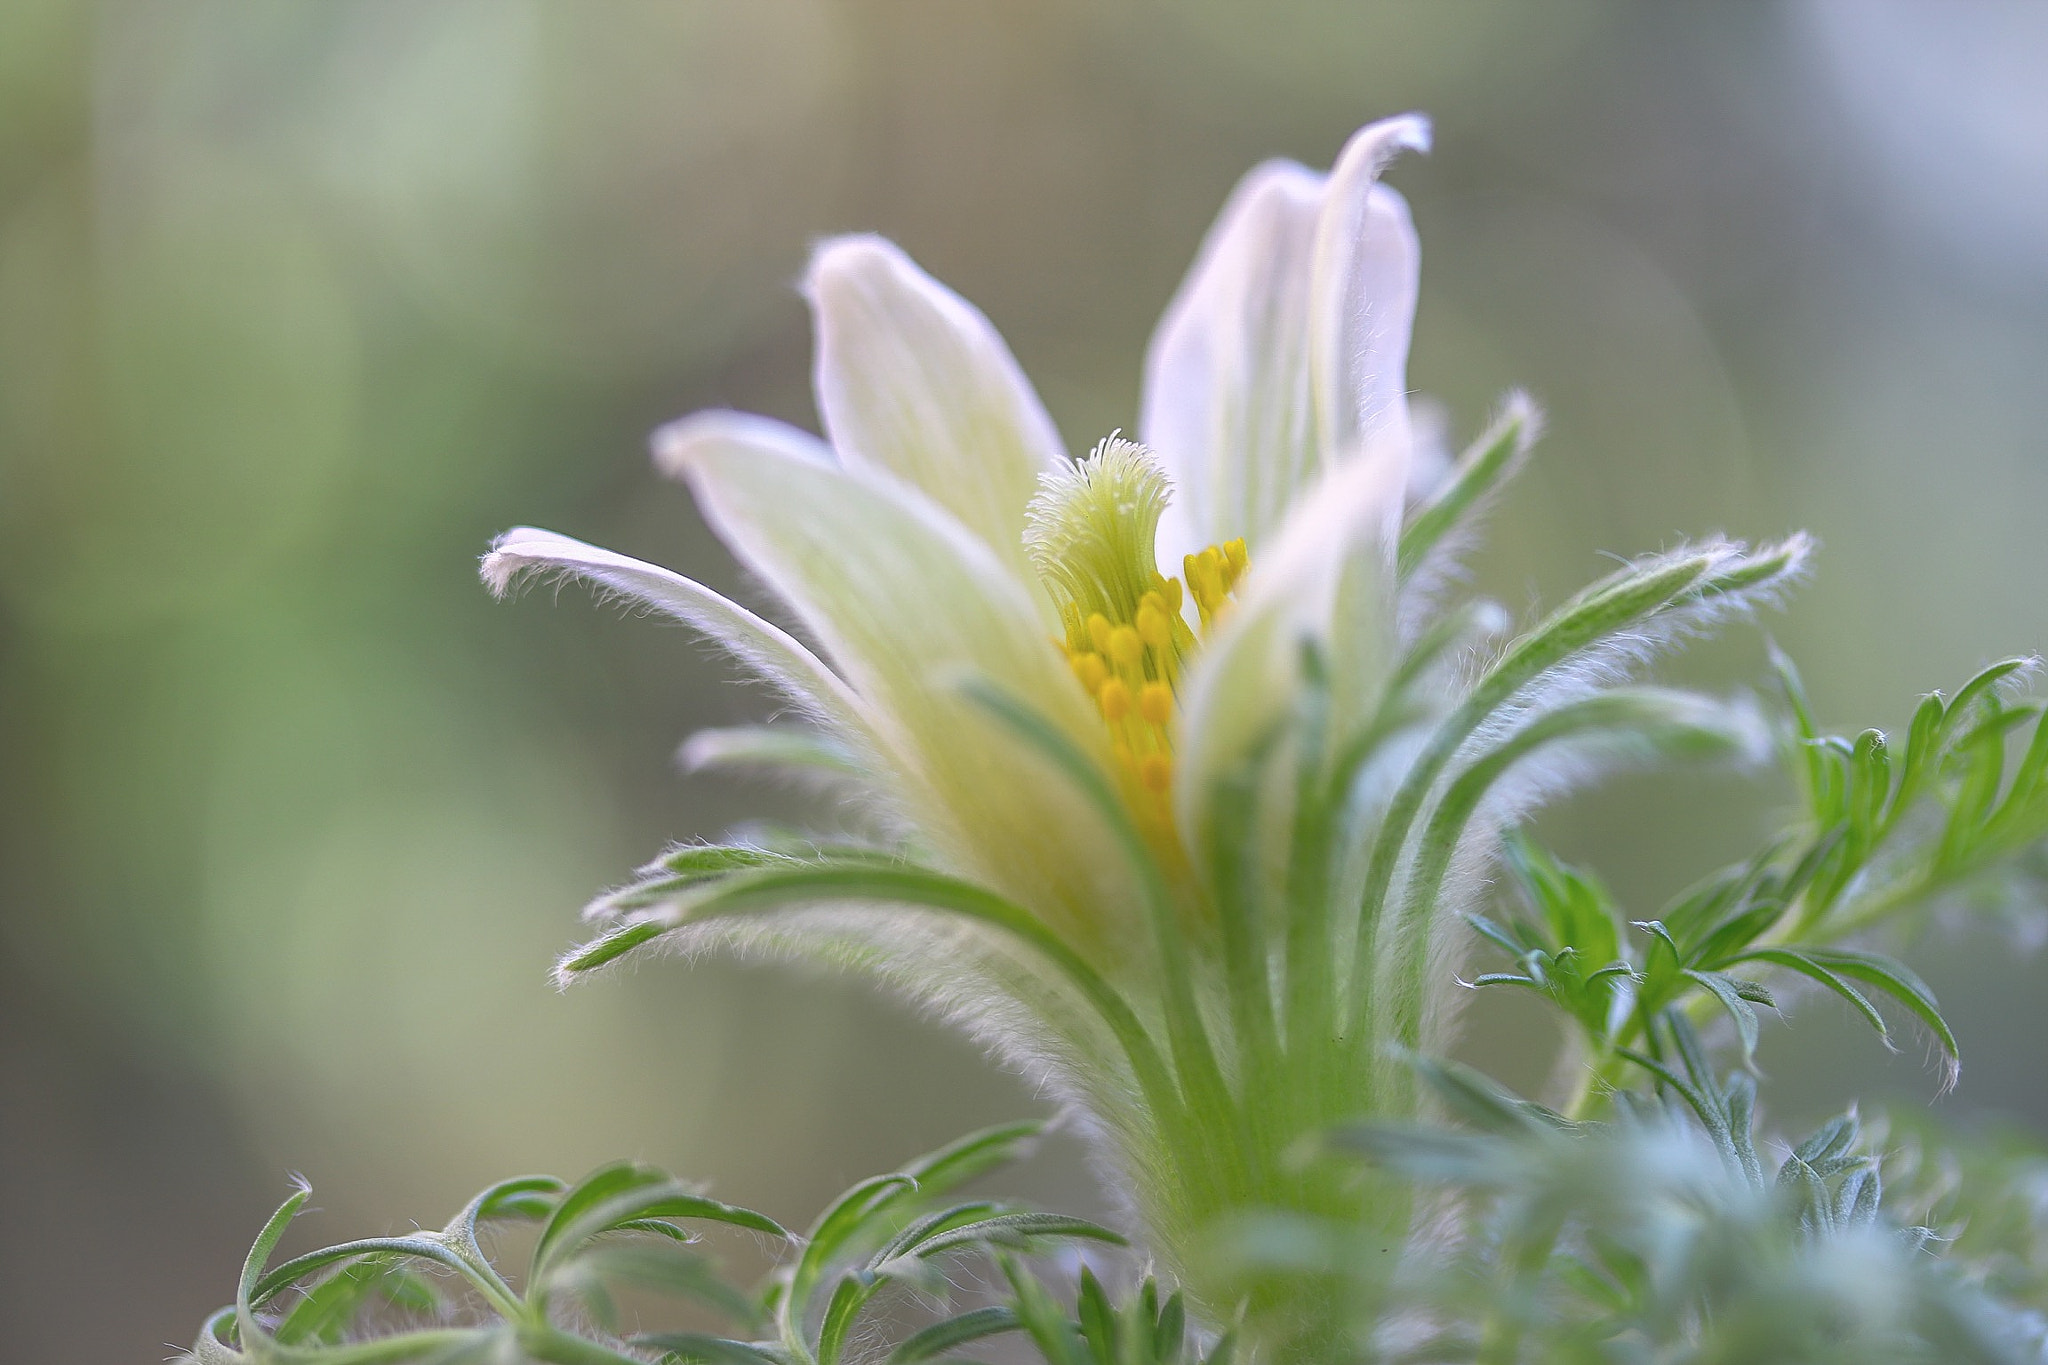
<point>913,379</point>
<point>1362,297</point>
<point>1227,402</point>
<point>765,648</point>
<point>907,603</point>
<point>1329,579</point>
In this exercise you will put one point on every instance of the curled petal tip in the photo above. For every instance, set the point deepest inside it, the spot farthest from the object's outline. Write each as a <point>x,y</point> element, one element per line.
<point>832,258</point>
<point>1411,130</point>
<point>1373,146</point>
<point>507,558</point>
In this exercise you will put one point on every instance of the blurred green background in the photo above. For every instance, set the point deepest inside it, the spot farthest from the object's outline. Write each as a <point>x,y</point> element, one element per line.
<point>299,304</point>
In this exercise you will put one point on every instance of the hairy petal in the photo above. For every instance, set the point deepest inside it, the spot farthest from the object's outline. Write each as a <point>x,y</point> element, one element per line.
<point>1362,297</point>
<point>1329,581</point>
<point>763,647</point>
<point>1286,347</point>
<point>908,604</point>
<point>1226,402</point>
<point>913,380</point>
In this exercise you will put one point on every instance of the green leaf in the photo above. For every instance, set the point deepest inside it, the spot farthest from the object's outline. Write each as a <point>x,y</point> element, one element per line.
<point>609,947</point>
<point>1097,1318</point>
<point>768,746</point>
<point>679,871</point>
<point>954,1332</point>
<point>1870,783</point>
<point>1479,473</point>
<point>1497,936</point>
<point>1803,962</point>
<point>769,889</point>
<point>1981,689</point>
<point>1732,999</point>
<point>329,1309</point>
<point>849,1296</point>
<point>425,1246</point>
<point>1923,742</point>
<point>973,1155</point>
<point>528,1198</point>
<point>1170,1336</point>
<point>1897,981</point>
<point>1057,1338</point>
<point>860,1210</point>
<point>1478,1100</point>
<point>696,1348</point>
<point>248,1292</point>
<point>663,1267</point>
<point>1813,763</point>
<point>1018,1231</point>
<point>627,1192</point>
<point>715,860</point>
<point>929,1226</point>
<point>1831,1141</point>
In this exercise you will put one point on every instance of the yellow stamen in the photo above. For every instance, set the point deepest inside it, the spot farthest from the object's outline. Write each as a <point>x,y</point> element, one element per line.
<point>1152,627</point>
<point>1090,670</point>
<point>1091,533</point>
<point>1115,699</point>
<point>1155,703</point>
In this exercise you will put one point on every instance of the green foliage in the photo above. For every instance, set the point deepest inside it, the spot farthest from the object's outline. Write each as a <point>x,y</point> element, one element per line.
<point>1879,839</point>
<point>436,1296</point>
<point>1657,1236</point>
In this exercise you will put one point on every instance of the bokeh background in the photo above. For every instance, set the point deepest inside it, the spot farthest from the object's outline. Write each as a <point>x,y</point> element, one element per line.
<point>299,304</point>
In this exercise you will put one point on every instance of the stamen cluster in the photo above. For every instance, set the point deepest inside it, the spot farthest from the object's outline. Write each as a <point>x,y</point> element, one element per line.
<point>1090,532</point>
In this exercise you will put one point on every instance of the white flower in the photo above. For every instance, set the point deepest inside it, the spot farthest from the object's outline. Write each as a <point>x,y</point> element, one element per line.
<point>1197,857</point>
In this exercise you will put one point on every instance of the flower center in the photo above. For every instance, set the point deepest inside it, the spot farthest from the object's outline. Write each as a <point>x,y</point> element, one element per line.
<point>1090,532</point>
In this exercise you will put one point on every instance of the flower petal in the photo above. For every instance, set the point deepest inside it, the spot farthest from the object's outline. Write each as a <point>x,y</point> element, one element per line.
<point>1286,348</point>
<point>763,647</point>
<point>1362,297</point>
<point>907,604</point>
<point>913,379</point>
<point>1227,401</point>
<point>1328,580</point>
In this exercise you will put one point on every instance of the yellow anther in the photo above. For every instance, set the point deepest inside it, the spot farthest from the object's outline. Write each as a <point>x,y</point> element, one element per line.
<point>1098,631</point>
<point>1155,702</point>
<point>1152,626</point>
<point>1090,670</point>
<point>1156,772</point>
<point>1125,647</point>
<point>1235,558</point>
<point>1171,589</point>
<point>1115,699</point>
